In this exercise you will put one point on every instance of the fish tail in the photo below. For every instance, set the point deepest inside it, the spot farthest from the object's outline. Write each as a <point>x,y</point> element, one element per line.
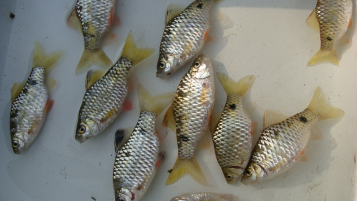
<point>186,166</point>
<point>92,57</point>
<point>319,106</point>
<point>229,197</point>
<point>323,56</point>
<point>40,59</point>
<point>131,52</point>
<point>232,87</point>
<point>153,104</point>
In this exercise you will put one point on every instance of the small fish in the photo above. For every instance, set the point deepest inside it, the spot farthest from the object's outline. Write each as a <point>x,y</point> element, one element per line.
<point>284,139</point>
<point>188,116</point>
<point>93,19</point>
<point>184,35</point>
<point>232,137</point>
<point>205,197</point>
<point>331,18</point>
<point>30,102</point>
<point>105,96</point>
<point>137,160</point>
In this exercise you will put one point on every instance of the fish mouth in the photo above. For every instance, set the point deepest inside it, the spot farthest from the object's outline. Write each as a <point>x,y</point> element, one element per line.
<point>160,75</point>
<point>80,138</point>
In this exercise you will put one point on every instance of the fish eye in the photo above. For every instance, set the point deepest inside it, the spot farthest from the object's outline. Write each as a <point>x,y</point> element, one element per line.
<point>82,129</point>
<point>162,65</point>
<point>15,144</point>
<point>248,173</point>
<point>197,63</point>
<point>229,176</point>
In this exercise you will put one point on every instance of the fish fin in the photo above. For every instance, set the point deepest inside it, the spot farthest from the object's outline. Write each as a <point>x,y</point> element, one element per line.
<point>350,24</point>
<point>50,83</point>
<point>302,156</point>
<point>272,117</point>
<point>131,52</point>
<point>183,167</point>
<point>92,57</point>
<point>229,197</point>
<point>316,134</point>
<point>169,119</point>
<point>73,21</point>
<point>172,11</point>
<point>16,89</point>
<point>127,105</point>
<point>322,56</point>
<point>205,143</point>
<point>153,104</point>
<point>312,21</point>
<point>92,77</point>
<point>209,39</point>
<point>161,134</point>
<point>40,59</point>
<point>206,34</point>
<point>117,21</point>
<point>344,40</point>
<point>232,87</point>
<point>253,126</point>
<point>49,105</point>
<point>161,159</point>
<point>110,38</point>
<point>121,136</point>
<point>216,15</point>
<point>319,106</point>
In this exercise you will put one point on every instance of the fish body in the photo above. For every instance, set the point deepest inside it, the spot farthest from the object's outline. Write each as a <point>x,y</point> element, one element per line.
<point>283,139</point>
<point>103,101</point>
<point>183,37</point>
<point>332,18</point>
<point>137,160</point>
<point>29,107</point>
<point>205,197</point>
<point>232,137</point>
<point>93,18</point>
<point>190,113</point>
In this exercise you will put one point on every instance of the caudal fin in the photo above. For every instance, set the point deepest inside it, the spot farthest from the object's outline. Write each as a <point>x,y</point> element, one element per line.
<point>131,52</point>
<point>153,104</point>
<point>40,59</point>
<point>319,106</point>
<point>186,166</point>
<point>232,87</point>
<point>92,57</point>
<point>324,56</point>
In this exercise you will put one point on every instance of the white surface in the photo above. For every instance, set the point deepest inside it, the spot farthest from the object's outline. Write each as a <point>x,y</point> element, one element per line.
<point>269,39</point>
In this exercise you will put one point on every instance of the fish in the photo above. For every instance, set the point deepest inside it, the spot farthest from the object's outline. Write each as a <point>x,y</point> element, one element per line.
<point>30,101</point>
<point>205,197</point>
<point>136,162</point>
<point>184,35</point>
<point>331,18</point>
<point>93,18</point>
<point>105,96</point>
<point>189,115</point>
<point>233,135</point>
<point>284,139</point>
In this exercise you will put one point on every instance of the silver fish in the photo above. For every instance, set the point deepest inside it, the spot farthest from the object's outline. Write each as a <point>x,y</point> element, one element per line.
<point>232,137</point>
<point>93,18</point>
<point>184,36</point>
<point>189,115</point>
<point>30,102</point>
<point>205,197</point>
<point>103,100</point>
<point>284,139</point>
<point>137,160</point>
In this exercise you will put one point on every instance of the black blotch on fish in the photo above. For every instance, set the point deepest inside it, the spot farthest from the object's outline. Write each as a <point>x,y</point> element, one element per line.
<point>12,15</point>
<point>184,138</point>
<point>92,35</point>
<point>303,119</point>
<point>329,38</point>
<point>233,106</point>
<point>33,82</point>
<point>200,5</point>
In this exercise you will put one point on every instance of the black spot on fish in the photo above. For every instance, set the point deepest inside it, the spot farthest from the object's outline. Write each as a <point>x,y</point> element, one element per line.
<point>33,82</point>
<point>200,5</point>
<point>303,119</point>
<point>329,38</point>
<point>12,15</point>
<point>233,106</point>
<point>184,138</point>
<point>92,35</point>
<point>168,73</point>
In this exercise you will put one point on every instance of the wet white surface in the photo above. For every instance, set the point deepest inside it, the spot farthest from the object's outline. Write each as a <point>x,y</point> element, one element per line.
<point>269,39</point>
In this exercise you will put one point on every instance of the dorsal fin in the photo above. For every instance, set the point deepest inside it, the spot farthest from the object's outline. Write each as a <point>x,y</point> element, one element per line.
<point>312,21</point>
<point>272,117</point>
<point>172,11</point>
<point>16,89</point>
<point>92,77</point>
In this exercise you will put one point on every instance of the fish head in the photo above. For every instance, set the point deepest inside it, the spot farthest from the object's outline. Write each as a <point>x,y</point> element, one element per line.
<point>124,194</point>
<point>232,173</point>
<point>201,67</point>
<point>85,130</point>
<point>166,65</point>
<point>254,173</point>
<point>18,145</point>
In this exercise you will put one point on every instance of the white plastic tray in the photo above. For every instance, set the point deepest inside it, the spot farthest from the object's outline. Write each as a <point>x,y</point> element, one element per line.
<point>269,39</point>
